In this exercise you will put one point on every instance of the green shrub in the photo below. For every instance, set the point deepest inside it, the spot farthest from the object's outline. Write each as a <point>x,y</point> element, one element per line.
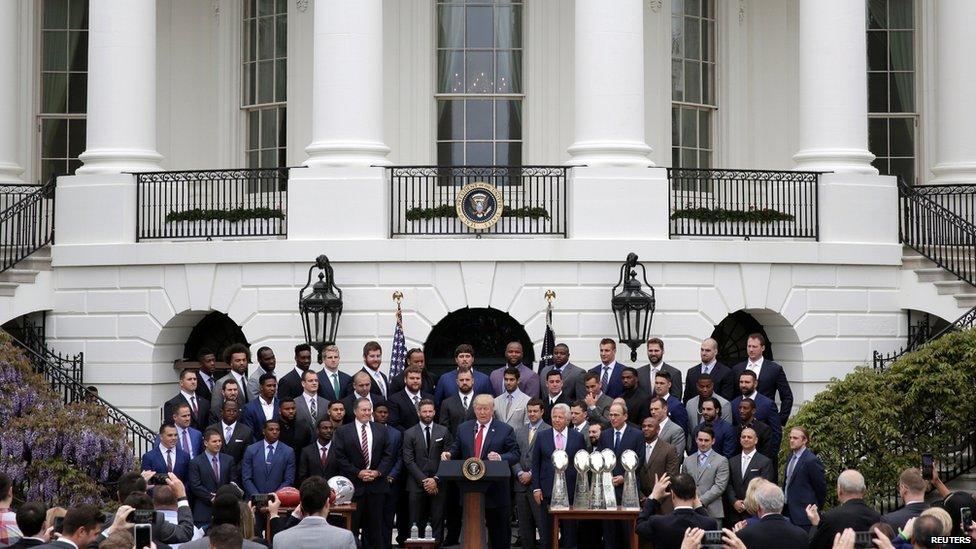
<point>236,214</point>
<point>718,215</point>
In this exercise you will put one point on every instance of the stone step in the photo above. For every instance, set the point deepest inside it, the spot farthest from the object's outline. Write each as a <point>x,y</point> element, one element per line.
<point>22,276</point>
<point>933,274</point>
<point>951,287</point>
<point>8,289</point>
<point>966,300</point>
<point>916,261</point>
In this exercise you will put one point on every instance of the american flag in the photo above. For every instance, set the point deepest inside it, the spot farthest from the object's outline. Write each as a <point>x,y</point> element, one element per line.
<point>398,355</point>
<point>548,342</point>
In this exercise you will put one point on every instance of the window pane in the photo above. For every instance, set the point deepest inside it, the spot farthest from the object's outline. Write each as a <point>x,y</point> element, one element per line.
<point>78,51</point>
<point>691,7</point>
<point>479,72</point>
<point>704,129</point>
<point>269,158</point>
<point>265,7</point>
<point>902,136</point>
<point>265,78</point>
<point>901,14</point>
<point>509,72</point>
<point>249,83</point>
<point>253,128</point>
<point>508,120</point>
<point>55,51</point>
<point>76,137</point>
<point>704,159</point>
<point>266,37</point>
<point>77,92</point>
<point>54,93</point>
<point>281,6</point>
<point>877,92</point>
<point>508,154</point>
<point>450,30</point>
<point>676,157</point>
<point>900,50</point>
<point>878,136</point>
<point>54,138</point>
<point>78,14</point>
<point>689,158</point>
<point>451,71</point>
<point>692,82</point>
<point>450,154</point>
<point>689,123</point>
<point>253,160</point>
<point>692,39</point>
<point>902,92</point>
<point>450,120</point>
<point>707,90</point>
<point>706,48</point>
<point>281,36</point>
<point>478,117</point>
<point>904,168</point>
<point>508,27</point>
<point>55,14</point>
<point>675,133</point>
<point>269,128</point>
<point>882,165</point>
<point>479,154</point>
<point>281,80</point>
<point>677,80</point>
<point>877,51</point>
<point>479,27</point>
<point>677,37</point>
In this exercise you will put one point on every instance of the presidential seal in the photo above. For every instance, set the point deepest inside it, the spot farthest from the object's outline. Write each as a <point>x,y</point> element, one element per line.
<point>473,469</point>
<point>479,205</point>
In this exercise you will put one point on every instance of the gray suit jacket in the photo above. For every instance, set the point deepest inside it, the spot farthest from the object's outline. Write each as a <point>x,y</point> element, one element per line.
<point>694,418</point>
<point>600,414</point>
<point>218,397</point>
<point>204,543</point>
<point>314,533</point>
<point>419,461</point>
<point>675,436</point>
<point>586,435</point>
<point>303,414</point>
<point>513,415</point>
<point>712,481</point>
<point>252,382</point>
<point>572,381</point>
<point>645,381</point>
<point>525,451</point>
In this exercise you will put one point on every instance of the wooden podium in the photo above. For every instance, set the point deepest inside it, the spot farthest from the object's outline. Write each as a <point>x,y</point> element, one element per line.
<point>473,529</point>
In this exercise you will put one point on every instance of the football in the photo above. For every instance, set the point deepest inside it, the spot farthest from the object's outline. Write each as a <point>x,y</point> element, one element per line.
<point>288,497</point>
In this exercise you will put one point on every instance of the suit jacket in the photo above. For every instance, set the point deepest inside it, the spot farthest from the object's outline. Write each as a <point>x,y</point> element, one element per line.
<point>310,463</point>
<point>528,381</point>
<point>427,382</point>
<point>373,387</point>
<point>499,437</point>
<point>198,421</point>
<point>239,441</point>
<point>573,385</point>
<point>254,382</point>
<point>447,386</point>
<point>766,413</point>
<point>726,385</point>
<point>773,531</point>
<point>677,412</point>
<point>153,460</point>
<point>543,472</point>
<point>349,454</point>
<point>420,461</point>
<point>303,413</point>
<point>327,391</point>
<point>807,485</point>
<point>638,401</point>
<point>694,416</point>
<point>632,439</point>
<point>254,417</point>
<point>645,381</point>
<point>675,436</point>
<point>711,480</point>
<point>289,385</point>
<point>760,466</point>
<point>452,414</point>
<point>668,531</point>
<point>663,459</point>
<point>315,533</point>
<point>583,429</point>
<point>196,441</point>
<point>403,412</point>
<point>512,413</point>
<point>218,395</point>
<point>525,454</point>
<point>396,445</point>
<point>765,434</point>
<point>898,518</point>
<point>203,485</point>
<point>772,380</point>
<point>263,478</point>
<point>615,387</point>
<point>853,513</point>
<point>203,391</point>
<point>350,404</point>
<point>547,404</point>
<point>725,436</point>
<point>601,412</point>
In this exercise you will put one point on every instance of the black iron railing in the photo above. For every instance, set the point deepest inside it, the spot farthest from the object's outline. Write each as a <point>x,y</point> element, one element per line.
<point>744,203</point>
<point>881,361</point>
<point>423,199</point>
<point>958,199</point>
<point>27,223</point>
<point>930,227</point>
<point>212,204</point>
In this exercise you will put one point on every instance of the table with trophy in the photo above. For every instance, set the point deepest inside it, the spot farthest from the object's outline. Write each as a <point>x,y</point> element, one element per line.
<point>595,497</point>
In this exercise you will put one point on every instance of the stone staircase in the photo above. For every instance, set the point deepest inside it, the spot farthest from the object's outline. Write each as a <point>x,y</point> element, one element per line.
<point>25,271</point>
<point>945,283</point>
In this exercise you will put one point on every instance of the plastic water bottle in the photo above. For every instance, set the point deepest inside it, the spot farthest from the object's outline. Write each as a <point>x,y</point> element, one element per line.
<point>414,533</point>
<point>428,532</point>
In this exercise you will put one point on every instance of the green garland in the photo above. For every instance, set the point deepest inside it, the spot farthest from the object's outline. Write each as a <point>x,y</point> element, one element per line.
<point>717,215</point>
<point>447,210</point>
<point>237,214</point>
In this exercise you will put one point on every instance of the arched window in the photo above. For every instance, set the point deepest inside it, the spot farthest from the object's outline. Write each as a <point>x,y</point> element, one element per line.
<point>732,335</point>
<point>488,330</point>
<point>216,331</point>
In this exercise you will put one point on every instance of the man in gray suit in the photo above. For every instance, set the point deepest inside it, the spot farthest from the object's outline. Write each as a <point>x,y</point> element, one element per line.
<point>645,374</point>
<point>422,447</point>
<point>670,432</point>
<point>710,471</point>
<point>706,390</point>
<point>528,511</point>
<point>597,403</point>
<point>510,405</point>
<point>573,386</point>
<point>314,532</point>
<point>310,406</point>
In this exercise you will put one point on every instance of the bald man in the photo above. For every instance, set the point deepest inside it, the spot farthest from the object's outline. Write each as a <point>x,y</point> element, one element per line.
<point>721,374</point>
<point>851,512</point>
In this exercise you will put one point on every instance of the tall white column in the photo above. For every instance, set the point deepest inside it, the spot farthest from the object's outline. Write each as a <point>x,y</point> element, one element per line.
<point>347,84</point>
<point>609,83</point>
<point>956,86</point>
<point>121,130</point>
<point>10,170</point>
<point>833,117</point>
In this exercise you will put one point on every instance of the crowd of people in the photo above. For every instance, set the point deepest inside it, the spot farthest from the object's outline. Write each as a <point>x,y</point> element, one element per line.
<point>707,453</point>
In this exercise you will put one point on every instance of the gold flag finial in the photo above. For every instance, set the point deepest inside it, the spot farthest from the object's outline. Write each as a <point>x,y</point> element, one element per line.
<point>550,296</point>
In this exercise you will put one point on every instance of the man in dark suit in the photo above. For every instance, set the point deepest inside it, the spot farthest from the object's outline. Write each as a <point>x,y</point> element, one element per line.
<point>206,382</point>
<point>415,357</point>
<point>31,520</point>
<point>361,388</point>
<point>268,464</point>
<point>724,432</point>
<point>404,404</point>
<point>527,510</point>
<point>334,385</point>
<point>263,408</point>
<point>296,435</point>
<point>744,467</point>
<point>365,457</point>
<point>805,483</point>
<point>554,393</point>
<point>572,374</point>
<point>911,488</point>
<point>199,407</point>
<point>724,381</point>
<point>660,459</point>
<point>290,385</point>
<point>851,512</point>
<point>394,503</point>
<point>165,457</point>
<point>423,444</point>
<point>637,398</point>
<point>81,526</point>
<point>237,356</point>
<point>746,416</point>
<point>187,438</point>
<point>621,436</point>
<point>771,377</point>
<point>559,437</point>
<point>316,459</point>
<point>667,531</point>
<point>235,435</point>
<point>773,529</point>
<point>209,471</point>
<point>765,409</point>
<point>488,438</point>
<point>372,359</point>
<point>676,410</point>
<point>447,385</point>
<point>608,370</point>
<point>647,372</point>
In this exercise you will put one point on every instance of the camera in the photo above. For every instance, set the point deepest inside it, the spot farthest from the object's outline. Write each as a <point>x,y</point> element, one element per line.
<point>159,479</point>
<point>712,538</point>
<point>141,516</point>
<point>59,524</point>
<point>143,535</point>
<point>928,466</point>
<point>863,539</point>
<point>260,500</point>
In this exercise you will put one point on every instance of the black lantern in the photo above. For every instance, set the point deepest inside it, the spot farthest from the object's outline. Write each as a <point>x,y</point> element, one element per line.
<point>321,308</point>
<point>632,308</point>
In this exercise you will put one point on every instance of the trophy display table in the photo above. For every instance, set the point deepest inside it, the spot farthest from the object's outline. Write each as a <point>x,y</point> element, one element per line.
<point>619,513</point>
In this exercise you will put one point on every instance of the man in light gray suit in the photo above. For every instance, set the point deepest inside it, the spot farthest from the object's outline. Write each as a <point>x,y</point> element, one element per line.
<point>711,473</point>
<point>309,400</point>
<point>528,511</point>
<point>573,386</point>
<point>706,389</point>
<point>313,532</point>
<point>670,431</point>
<point>597,403</point>
<point>422,447</point>
<point>645,374</point>
<point>510,405</point>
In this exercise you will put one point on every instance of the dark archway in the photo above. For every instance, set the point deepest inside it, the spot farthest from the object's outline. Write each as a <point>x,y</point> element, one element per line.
<point>487,330</point>
<point>732,334</point>
<point>216,331</point>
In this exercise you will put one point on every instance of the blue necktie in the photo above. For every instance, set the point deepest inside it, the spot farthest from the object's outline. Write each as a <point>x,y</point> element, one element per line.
<point>270,454</point>
<point>616,442</point>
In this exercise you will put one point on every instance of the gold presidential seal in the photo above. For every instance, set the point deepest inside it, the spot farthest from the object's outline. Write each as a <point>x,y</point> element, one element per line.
<point>479,205</point>
<point>473,469</point>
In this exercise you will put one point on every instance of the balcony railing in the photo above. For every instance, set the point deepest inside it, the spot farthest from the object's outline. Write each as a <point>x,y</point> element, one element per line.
<point>423,200</point>
<point>212,204</point>
<point>744,203</point>
<point>26,221</point>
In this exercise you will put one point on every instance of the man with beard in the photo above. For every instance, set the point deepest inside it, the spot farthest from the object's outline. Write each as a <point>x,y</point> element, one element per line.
<point>290,385</point>
<point>765,409</point>
<point>528,380</point>
<point>571,373</point>
<point>296,435</point>
<point>266,365</point>
<point>635,396</point>
<point>236,434</point>
<point>655,365</point>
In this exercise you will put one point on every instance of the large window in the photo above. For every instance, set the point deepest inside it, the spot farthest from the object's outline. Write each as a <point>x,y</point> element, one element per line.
<point>692,82</point>
<point>264,81</point>
<point>479,82</point>
<point>892,113</point>
<point>63,85</point>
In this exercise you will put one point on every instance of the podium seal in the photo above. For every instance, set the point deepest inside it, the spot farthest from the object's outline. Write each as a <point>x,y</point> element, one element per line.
<point>473,469</point>
<point>479,205</point>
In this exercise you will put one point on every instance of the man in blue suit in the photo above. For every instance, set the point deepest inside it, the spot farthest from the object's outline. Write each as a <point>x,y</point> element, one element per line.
<point>209,471</point>
<point>771,377</point>
<point>165,457</point>
<point>189,439</point>
<point>268,464</point>
<point>488,438</point>
<point>620,437</point>
<point>724,443</point>
<point>447,383</point>
<point>609,370</point>
<point>560,437</point>
<point>765,408</point>
<point>805,482</point>
<point>334,385</point>
<point>263,408</point>
<point>676,409</point>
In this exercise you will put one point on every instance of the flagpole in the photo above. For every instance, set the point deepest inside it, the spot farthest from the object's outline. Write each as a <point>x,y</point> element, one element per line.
<point>549,339</point>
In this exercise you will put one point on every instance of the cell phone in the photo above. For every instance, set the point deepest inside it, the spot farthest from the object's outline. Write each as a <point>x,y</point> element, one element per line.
<point>928,466</point>
<point>159,479</point>
<point>143,535</point>
<point>59,524</point>
<point>260,500</point>
<point>966,516</point>
<point>141,516</point>
<point>712,538</point>
<point>863,539</point>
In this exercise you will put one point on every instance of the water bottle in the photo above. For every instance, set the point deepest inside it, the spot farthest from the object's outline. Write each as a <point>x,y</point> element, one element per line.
<point>428,532</point>
<point>414,533</point>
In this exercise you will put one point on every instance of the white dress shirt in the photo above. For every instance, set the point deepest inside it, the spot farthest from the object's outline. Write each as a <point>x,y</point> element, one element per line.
<point>648,448</point>
<point>707,368</point>
<point>268,408</point>
<point>746,460</point>
<point>755,366</point>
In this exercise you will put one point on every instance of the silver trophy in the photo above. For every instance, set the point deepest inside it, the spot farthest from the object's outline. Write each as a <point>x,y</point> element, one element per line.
<point>596,497</point>
<point>630,497</point>
<point>560,495</point>
<point>609,493</point>
<point>582,462</point>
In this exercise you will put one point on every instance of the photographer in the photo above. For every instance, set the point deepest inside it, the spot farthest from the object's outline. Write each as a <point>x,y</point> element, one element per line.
<point>32,521</point>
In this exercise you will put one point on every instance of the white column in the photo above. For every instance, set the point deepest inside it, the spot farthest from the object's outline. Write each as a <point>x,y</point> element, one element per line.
<point>347,84</point>
<point>10,170</point>
<point>609,83</point>
<point>121,134</point>
<point>833,117</point>
<point>956,86</point>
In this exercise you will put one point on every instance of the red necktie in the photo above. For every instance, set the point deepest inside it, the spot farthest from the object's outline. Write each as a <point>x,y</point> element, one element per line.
<point>325,456</point>
<point>169,460</point>
<point>478,440</point>
<point>365,446</point>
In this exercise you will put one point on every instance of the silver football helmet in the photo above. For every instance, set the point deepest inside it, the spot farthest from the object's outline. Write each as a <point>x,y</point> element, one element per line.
<point>343,489</point>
